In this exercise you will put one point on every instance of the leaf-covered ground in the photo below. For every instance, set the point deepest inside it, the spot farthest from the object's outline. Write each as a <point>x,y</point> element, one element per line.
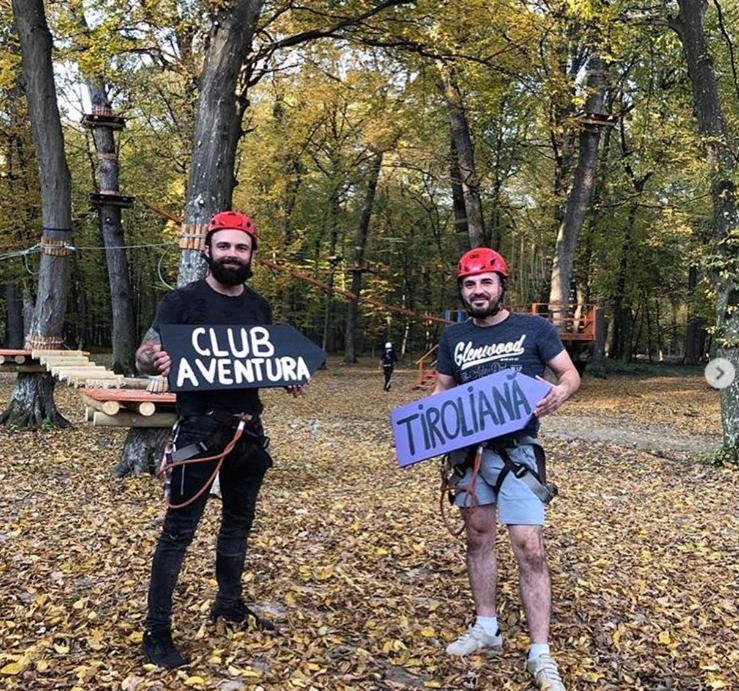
<point>350,556</point>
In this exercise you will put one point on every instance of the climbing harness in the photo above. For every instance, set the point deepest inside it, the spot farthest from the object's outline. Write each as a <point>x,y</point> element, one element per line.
<point>535,481</point>
<point>188,455</point>
<point>448,470</point>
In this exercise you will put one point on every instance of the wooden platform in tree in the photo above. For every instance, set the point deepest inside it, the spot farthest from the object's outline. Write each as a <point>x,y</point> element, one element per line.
<point>71,366</point>
<point>128,408</point>
<point>12,358</point>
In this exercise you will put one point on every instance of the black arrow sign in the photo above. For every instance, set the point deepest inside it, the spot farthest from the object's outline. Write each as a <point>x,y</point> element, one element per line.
<point>238,357</point>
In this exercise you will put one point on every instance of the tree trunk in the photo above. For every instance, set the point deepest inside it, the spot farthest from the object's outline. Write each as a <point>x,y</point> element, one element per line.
<point>293,170</point>
<point>27,308</point>
<point>461,230</point>
<point>32,402</point>
<point>462,142</point>
<point>121,293</point>
<point>333,225</point>
<point>695,325</point>
<point>598,368</point>
<point>217,127</point>
<point>360,242</point>
<point>570,57</point>
<point>14,316</point>
<point>142,451</point>
<point>215,140</point>
<point>579,198</point>
<point>722,163</point>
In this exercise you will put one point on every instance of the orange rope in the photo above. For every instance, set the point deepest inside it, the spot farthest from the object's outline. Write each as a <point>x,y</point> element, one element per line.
<point>470,496</point>
<point>315,282</point>
<point>220,457</point>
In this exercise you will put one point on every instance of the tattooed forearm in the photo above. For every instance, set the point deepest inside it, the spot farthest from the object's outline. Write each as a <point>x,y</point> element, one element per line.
<point>150,344</point>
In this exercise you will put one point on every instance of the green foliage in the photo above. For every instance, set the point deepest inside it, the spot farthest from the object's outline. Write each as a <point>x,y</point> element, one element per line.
<point>319,109</point>
<point>724,456</point>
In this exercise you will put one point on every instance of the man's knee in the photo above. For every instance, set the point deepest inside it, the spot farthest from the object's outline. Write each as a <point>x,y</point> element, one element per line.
<point>180,526</point>
<point>528,546</point>
<point>237,524</point>
<point>480,529</point>
<point>179,537</point>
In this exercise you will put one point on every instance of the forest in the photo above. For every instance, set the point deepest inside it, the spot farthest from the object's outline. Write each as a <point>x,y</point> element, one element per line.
<point>593,143</point>
<point>375,141</point>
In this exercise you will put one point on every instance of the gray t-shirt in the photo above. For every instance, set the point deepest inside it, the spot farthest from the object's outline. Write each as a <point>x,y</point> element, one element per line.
<point>522,342</point>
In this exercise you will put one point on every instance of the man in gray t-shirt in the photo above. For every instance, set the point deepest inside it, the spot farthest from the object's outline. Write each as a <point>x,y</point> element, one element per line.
<point>494,339</point>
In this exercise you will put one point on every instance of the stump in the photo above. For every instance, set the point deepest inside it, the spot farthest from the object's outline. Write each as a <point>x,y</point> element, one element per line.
<point>142,451</point>
<point>32,404</point>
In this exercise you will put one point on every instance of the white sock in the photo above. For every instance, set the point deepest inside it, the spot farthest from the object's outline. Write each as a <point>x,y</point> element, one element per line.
<point>489,624</point>
<point>537,649</point>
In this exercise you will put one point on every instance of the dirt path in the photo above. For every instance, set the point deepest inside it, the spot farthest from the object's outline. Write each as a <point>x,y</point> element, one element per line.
<point>635,436</point>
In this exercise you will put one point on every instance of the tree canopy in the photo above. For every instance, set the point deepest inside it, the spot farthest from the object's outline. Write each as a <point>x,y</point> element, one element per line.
<point>324,88</point>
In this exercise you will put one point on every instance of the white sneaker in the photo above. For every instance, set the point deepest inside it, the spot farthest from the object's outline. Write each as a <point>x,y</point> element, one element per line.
<point>546,675</point>
<point>475,639</point>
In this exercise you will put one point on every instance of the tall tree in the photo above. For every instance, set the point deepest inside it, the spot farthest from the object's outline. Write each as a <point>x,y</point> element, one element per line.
<point>32,403</point>
<point>722,164</point>
<point>217,127</point>
<point>465,157</point>
<point>109,217</point>
<point>14,331</point>
<point>360,243</point>
<point>578,201</point>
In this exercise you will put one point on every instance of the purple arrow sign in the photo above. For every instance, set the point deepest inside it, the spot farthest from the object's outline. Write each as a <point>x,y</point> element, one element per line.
<point>489,407</point>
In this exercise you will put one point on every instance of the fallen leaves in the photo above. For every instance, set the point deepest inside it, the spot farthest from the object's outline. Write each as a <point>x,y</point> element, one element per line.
<point>349,556</point>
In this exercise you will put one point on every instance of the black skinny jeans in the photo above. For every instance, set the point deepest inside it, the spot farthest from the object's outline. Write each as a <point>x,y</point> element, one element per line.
<point>241,478</point>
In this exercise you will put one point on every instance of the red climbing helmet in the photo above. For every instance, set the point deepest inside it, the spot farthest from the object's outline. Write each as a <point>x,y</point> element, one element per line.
<point>481,260</point>
<point>232,220</point>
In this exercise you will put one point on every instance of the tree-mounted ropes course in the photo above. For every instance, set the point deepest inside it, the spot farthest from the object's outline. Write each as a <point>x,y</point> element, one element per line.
<point>577,323</point>
<point>191,239</point>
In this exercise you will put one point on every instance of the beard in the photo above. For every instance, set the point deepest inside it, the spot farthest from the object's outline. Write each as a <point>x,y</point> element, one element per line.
<point>492,308</point>
<point>227,275</point>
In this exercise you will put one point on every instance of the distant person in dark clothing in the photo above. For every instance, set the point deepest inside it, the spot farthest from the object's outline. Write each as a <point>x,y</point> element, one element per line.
<point>388,360</point>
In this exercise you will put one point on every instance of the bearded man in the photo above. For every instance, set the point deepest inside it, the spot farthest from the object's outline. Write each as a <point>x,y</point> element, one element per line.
<point>203,416</point>
<point>495,339</point>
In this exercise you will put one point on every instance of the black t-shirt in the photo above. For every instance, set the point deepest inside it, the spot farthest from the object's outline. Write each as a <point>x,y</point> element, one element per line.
<point>198,303</point>
<point>522,342</point>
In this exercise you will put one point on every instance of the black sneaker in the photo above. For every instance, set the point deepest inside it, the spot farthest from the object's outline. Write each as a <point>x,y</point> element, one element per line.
<point>239,613</point>
<point>159,649</point>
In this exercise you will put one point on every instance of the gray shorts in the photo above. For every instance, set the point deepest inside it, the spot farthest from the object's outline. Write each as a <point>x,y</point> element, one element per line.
<point>517,504</point>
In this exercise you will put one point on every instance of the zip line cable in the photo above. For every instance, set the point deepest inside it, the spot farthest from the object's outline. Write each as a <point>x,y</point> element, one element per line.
<point>76,248</point>
<point>23,254</point>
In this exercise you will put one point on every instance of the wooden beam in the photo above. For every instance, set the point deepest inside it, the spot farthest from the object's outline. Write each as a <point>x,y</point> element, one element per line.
<point>107,407</point>
<point>64,373</point>
<point>100,379</point>
<point>133,420</point>
<point>58,361</point>
<point>139,383</point>
<point>12,368</point>
<point>39,354</point>
<point>145,408</point>
<point>96,383</point>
